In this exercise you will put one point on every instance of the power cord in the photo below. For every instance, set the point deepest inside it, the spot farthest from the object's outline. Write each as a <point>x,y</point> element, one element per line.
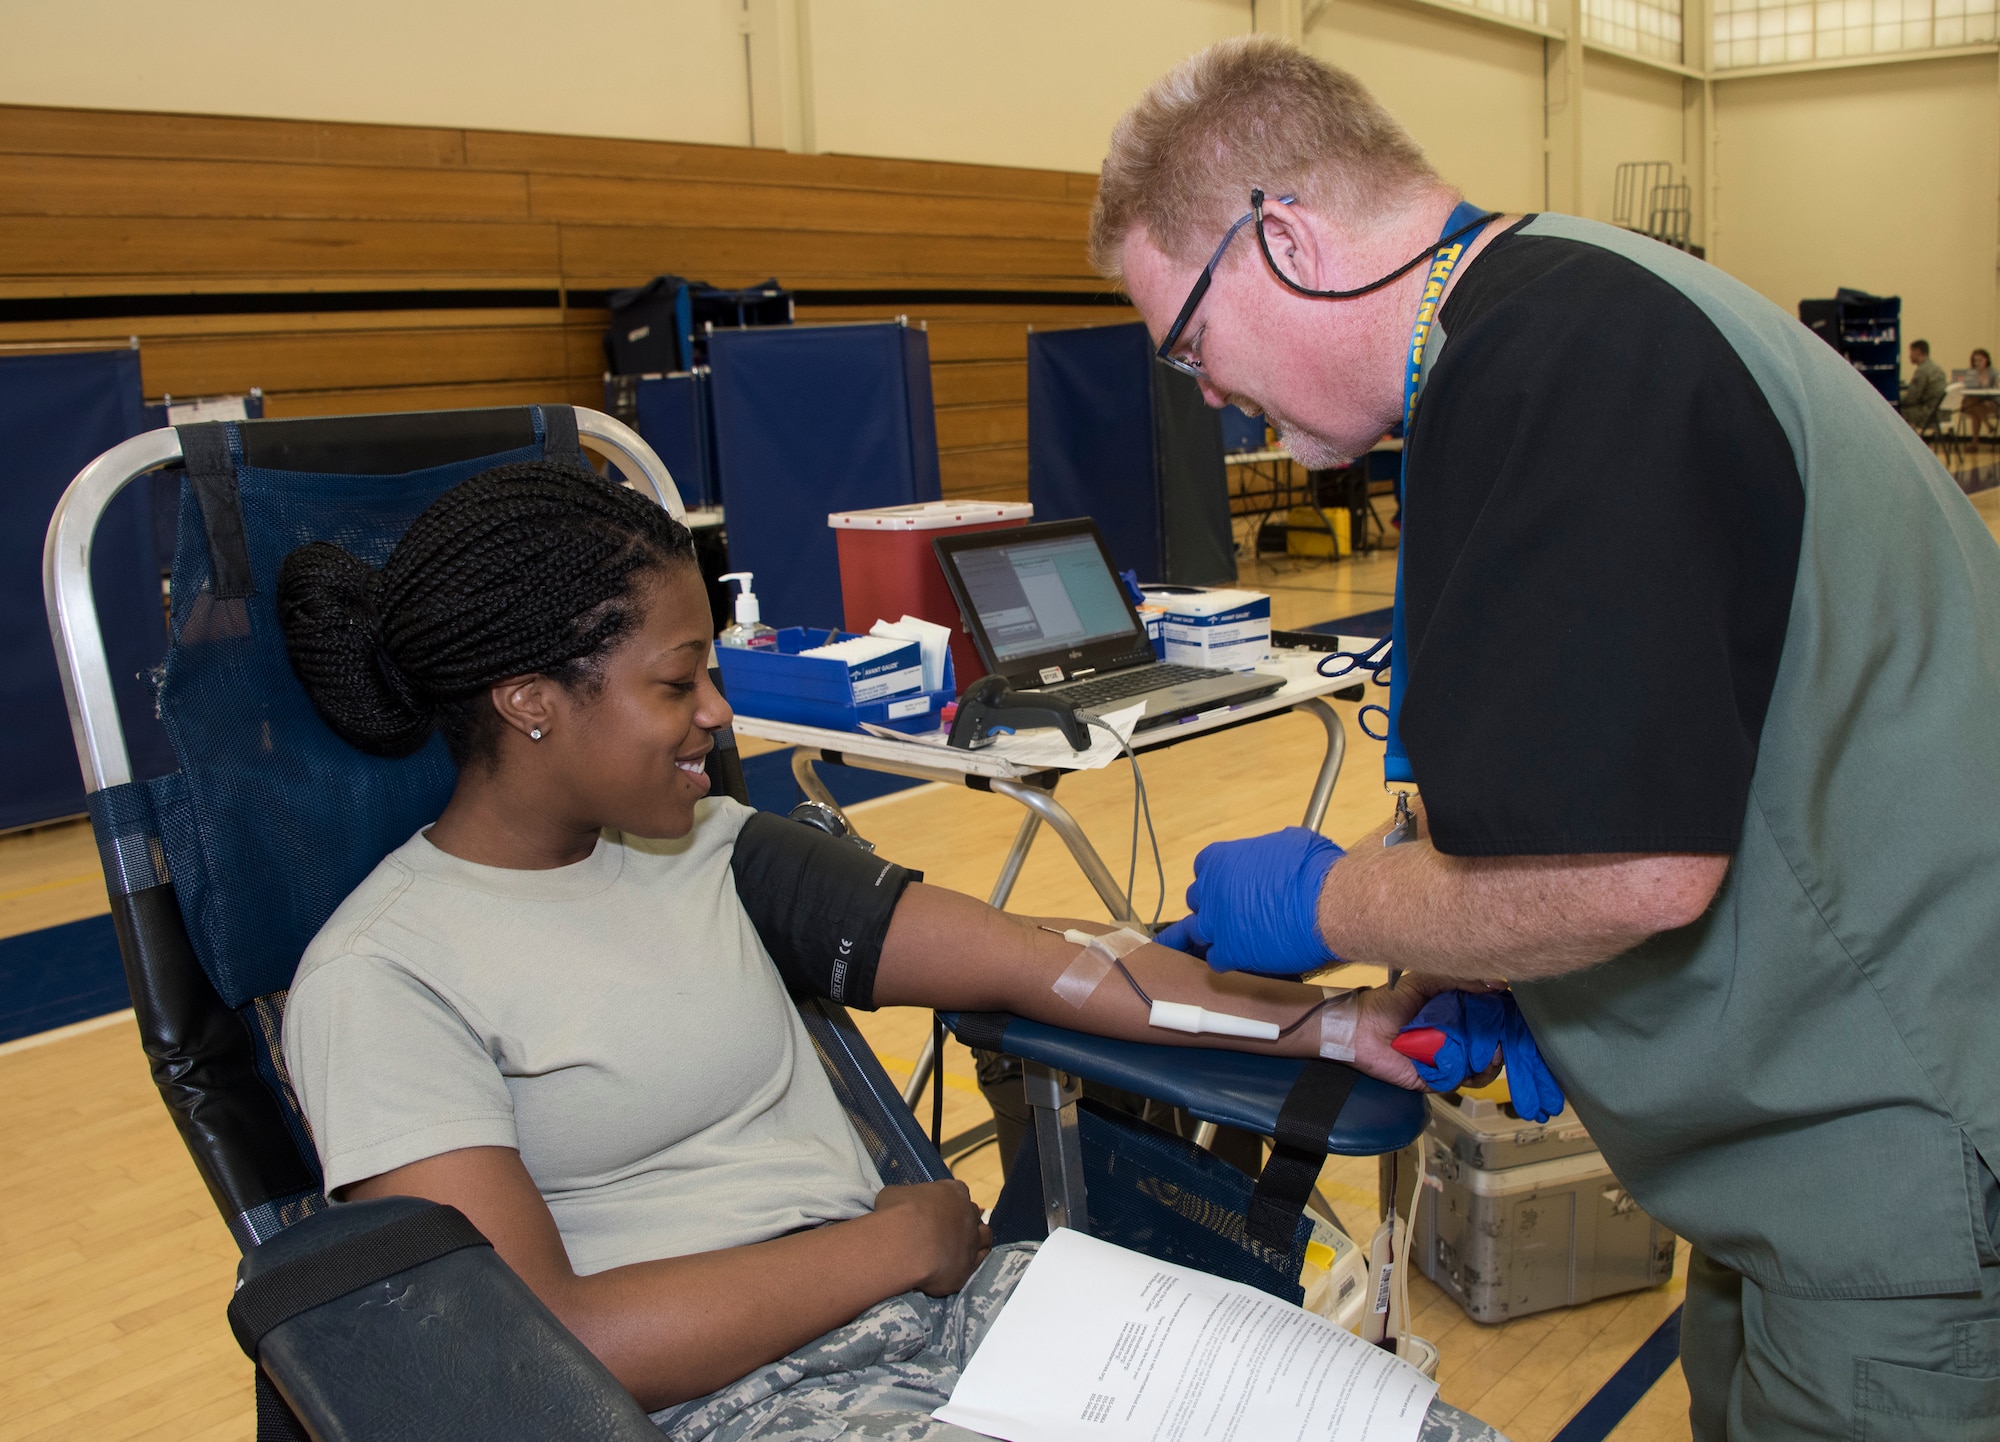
<point>1141,806</point>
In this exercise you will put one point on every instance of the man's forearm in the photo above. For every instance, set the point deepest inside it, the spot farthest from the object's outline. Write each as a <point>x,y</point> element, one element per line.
<point>951,952</point>
<point>1512,917</point>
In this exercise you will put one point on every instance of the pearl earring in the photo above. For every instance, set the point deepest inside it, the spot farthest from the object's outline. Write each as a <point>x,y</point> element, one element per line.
<point>536,734</point>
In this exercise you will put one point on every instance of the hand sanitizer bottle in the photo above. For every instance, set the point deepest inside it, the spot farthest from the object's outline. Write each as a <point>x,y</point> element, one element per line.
<point>749,632</point>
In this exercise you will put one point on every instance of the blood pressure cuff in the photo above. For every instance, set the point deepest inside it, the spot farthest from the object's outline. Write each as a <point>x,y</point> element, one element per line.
<point>821,906</point>
<point>394,1318</point>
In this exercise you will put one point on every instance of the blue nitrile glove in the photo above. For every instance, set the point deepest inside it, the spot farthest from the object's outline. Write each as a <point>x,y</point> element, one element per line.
<point>1536,1092</point>
<point>1256,904</point>
<point>1456,1035</point>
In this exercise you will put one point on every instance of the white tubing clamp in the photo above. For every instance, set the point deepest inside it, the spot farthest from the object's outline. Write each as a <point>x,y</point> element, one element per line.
<point>1196,1021</point>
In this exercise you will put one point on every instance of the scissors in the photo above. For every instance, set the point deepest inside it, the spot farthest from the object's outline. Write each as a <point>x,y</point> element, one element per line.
<point>1374,660</point>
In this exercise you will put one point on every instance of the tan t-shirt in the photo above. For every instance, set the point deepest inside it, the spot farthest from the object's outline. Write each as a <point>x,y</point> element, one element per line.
<point>617,1021</point>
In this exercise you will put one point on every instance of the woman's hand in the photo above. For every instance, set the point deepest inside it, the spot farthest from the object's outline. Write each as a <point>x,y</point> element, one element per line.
<point>1385,1011</point>
<point>941,1232</point>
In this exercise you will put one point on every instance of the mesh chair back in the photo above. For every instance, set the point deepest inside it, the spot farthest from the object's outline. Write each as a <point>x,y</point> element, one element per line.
<point>221,872</point>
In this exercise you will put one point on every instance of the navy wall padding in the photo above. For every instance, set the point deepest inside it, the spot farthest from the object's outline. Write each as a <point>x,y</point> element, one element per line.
<point>58,412</point>
<point>811,420</point>
<point>1118,437</point>
<point>676,421</point>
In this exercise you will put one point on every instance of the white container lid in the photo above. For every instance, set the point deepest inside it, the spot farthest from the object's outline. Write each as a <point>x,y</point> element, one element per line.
<point>931,516</point>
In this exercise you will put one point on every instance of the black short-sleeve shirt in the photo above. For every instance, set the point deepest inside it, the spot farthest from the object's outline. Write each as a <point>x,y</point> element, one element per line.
<point>1602,519</point>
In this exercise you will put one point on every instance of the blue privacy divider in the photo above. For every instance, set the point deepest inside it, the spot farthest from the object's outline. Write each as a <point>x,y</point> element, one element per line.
<point>676,421</point>
<point>1114,435</point>
<point>811,420</point>
<point>58,412</point>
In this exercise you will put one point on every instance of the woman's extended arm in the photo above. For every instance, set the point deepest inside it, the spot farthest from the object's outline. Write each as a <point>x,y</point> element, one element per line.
<point>679,1328</point>
<point>949,951</point>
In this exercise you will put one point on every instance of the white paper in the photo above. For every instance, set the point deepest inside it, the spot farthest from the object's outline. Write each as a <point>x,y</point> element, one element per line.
<point>933,639</point>
<point>1047,746</point>
<point>855,649</point>
<point>1099,1344</point>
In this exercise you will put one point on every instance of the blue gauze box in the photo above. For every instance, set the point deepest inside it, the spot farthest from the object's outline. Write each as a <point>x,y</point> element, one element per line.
<point>781,685</point>
<point>1225,628</point>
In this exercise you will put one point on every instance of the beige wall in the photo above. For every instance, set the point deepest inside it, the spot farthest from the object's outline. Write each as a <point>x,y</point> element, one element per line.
<point>1883,178</point>
<point>1636,112</point>
<point>1470,92</point>
<point>1028,82</point>
<point>643,69</point>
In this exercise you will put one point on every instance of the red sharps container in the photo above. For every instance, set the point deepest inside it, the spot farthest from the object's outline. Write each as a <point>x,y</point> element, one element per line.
<point>888,570</point>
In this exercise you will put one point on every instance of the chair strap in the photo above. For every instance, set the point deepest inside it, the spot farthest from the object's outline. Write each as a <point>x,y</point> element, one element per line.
<point>272,1299</point>
<point>1298,1150</point>
<point>211,470</point>
<point>276,1422</point>
<point>559,436</point>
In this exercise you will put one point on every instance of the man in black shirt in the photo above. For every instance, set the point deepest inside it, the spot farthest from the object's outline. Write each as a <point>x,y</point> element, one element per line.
<point>1691,631</point>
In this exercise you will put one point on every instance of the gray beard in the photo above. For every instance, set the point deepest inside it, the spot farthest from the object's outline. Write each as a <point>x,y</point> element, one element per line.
<point>1312,452</point>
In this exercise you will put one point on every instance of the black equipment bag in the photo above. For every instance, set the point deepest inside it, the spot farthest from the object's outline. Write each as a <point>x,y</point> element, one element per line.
<point>395,1318</point>
<point>657,328</point>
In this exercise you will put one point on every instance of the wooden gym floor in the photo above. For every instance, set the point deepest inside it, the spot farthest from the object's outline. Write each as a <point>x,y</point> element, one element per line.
<point>115,1269</point>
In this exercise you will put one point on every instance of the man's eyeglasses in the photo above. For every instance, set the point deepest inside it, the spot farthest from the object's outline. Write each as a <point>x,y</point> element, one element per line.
<point>1191,364</point>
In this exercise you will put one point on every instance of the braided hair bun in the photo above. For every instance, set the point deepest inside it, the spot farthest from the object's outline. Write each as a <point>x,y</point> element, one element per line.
<point>527,568</point>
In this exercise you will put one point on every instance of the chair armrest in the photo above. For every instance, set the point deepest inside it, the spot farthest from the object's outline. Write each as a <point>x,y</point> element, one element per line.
<point>1232,1088</point>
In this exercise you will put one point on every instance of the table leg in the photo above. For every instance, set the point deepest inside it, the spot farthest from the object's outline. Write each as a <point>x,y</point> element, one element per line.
<point>1017,855</point>
<point>1065,825</point>
<point>1329,766</point>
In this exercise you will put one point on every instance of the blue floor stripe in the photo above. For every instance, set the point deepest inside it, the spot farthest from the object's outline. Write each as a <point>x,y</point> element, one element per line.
<point>1595,1419</point>
<point>1362,623</point>
<point>59,975</point>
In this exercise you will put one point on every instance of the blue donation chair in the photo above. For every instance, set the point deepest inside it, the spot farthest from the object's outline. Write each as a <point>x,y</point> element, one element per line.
<point>394,1317</point>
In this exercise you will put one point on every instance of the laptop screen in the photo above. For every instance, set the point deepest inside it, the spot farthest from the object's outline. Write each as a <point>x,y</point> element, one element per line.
<point>1043,593</point>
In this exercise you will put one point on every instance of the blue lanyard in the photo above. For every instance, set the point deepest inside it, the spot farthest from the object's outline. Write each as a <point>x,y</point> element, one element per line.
<point>1395,761</point>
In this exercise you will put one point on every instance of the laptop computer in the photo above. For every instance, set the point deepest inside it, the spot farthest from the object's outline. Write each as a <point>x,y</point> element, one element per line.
<point>1048,613</point>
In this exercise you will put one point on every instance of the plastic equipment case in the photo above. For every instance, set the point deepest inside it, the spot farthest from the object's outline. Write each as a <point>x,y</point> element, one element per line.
<point>1518,1217</point>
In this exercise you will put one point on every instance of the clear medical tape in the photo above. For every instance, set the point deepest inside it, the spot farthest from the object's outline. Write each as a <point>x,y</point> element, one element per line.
<point>1339,1014</point>
<point>1082,977</point>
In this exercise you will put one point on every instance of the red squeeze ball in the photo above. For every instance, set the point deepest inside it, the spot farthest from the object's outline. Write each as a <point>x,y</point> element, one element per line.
<point>1420,1043</point>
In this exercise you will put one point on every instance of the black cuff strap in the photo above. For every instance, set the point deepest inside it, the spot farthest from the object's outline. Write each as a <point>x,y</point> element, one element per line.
<point>1310,1111</point>
<point>273,1299</point>
<point>981,1030</point>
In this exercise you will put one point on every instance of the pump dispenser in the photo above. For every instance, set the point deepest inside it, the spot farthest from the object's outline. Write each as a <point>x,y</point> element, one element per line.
<point>749,632</point>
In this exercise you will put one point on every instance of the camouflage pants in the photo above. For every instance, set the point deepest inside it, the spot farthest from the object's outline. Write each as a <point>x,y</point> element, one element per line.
<point>879,1378</point>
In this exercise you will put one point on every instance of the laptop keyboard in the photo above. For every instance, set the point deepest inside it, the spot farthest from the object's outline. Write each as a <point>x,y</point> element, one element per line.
<point>1131,683</point>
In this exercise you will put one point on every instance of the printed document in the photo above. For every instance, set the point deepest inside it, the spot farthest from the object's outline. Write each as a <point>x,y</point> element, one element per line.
<point>1099,1344</point>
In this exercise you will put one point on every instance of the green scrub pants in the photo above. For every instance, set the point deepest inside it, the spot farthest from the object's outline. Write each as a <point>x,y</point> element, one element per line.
<point>1768,1368</point>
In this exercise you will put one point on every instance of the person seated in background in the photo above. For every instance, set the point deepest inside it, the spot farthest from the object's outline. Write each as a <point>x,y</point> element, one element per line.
<point>1924,391</point>
<point>562,1008</point>
<point>1980,412</point>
